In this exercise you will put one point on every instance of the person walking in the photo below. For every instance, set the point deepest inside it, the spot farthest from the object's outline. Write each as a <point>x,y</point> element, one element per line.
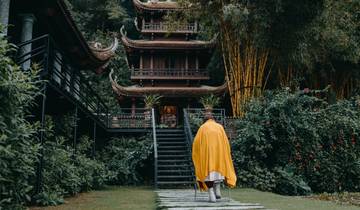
<point>212,160</point>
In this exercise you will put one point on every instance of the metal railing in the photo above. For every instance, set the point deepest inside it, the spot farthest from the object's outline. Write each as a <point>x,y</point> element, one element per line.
<point>198,114</point>
<point>57,69</point>
<point>189,139</point>
<point>131,118</point>
<point>187,128</point>
<point>153,124</point>
<point>169,74</point>
<point>231,127</point>
<point>164,27</point>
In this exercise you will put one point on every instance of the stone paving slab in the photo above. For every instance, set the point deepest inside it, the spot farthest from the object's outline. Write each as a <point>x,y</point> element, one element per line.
<point>185,200</point>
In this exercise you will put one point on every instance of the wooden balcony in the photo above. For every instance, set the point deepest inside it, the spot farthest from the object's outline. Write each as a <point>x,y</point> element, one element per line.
<point>165,28</point>
<point>169,74</point>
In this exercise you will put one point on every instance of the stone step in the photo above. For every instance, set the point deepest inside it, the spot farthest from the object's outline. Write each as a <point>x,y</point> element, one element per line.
<point>174,161</point>
<point>169,130</point>
<point>172,151</point>
<point>176,177</point>
<point>175,182</point>
<point>175,171</point>
<point>170,135</point>
<point>173,156</point>
<point>172,139</point>
<point>172,143</point>
<point>172,147</point>
<point>174,166</point>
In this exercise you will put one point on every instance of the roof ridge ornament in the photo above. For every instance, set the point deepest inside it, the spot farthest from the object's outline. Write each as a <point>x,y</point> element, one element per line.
<point>97,46</point>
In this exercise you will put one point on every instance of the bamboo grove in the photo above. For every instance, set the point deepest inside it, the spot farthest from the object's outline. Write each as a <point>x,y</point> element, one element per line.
<point>245,69</point>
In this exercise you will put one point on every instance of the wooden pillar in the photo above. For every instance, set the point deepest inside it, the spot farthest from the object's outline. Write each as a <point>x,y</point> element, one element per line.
<point>133,112</point>
<point>152,62</point>
<point>133,106</point>
<point>197,63</point>
<point>141,62</point>
<point>26,35</point>
<point>143,23</point>
<point>4,13</point>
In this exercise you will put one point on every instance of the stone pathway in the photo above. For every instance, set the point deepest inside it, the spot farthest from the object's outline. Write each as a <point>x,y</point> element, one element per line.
<point>172,199</point>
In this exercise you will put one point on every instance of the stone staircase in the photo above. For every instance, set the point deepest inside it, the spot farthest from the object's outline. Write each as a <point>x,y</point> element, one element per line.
<point>174,167</point>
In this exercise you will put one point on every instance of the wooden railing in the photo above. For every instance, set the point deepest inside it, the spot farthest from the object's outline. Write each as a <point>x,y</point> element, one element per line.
<point>163,27</point>
<point>191,74</point>
<point>131,118</point>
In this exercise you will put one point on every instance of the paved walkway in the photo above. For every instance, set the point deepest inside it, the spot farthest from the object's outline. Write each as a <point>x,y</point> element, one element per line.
<point>172,199</point>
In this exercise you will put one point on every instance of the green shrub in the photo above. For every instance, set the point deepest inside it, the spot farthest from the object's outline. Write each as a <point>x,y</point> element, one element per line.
<point>288,183</point>
<point>124,159</point>
<point>92,172</point>
<point>286,130</point>
<point>18,141</point>
<point>65,172</point>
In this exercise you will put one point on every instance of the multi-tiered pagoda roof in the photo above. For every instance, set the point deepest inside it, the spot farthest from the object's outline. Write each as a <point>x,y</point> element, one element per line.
<point>169,60</point>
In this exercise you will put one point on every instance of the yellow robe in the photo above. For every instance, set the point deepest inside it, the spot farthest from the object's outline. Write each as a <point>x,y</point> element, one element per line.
<point>211,152</point>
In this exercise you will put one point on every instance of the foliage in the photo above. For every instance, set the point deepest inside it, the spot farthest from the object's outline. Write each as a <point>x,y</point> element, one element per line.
<point>151,100</point>
<point>124,159</point>
<point>100,21</point>
<point>210,101</point>
<point>18,142</point>
<point>300,141</point>
<point>343,198</point>
<point>67,172</point>
<point>321,43</point>
<point>288,183</point>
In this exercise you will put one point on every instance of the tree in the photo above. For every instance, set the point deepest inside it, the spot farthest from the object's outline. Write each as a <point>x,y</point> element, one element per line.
<point>100,21</point>
<point>19,148</point>
<point>251,35</point>
<point>315,40</point>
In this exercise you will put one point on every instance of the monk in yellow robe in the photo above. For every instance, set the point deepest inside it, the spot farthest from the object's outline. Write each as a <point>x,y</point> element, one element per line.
<point>212,158</point>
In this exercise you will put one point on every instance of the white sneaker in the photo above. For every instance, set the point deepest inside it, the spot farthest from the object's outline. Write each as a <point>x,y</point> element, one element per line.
<point>212,197</point>
<point>217,190</point>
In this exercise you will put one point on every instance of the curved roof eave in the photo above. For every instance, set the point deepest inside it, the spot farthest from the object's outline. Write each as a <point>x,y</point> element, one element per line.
<point>155,6</point>
<point>96,58</point>
<point>137,91</point>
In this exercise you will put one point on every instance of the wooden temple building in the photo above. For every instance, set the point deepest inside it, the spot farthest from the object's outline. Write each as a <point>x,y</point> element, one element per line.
<point>167,61</point>
<point>45,33</point>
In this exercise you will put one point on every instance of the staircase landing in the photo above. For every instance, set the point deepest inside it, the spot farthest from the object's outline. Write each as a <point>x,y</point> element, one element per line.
<point>176,199</point>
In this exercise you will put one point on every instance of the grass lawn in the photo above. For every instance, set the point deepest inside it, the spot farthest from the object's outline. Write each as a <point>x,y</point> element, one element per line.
<point>113,198</point>
<point>274,201</point>
<point>109,199</point>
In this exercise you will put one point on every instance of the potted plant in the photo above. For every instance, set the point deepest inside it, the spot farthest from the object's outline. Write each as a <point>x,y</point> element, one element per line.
<point>150,101</point>
<point>209,102</point>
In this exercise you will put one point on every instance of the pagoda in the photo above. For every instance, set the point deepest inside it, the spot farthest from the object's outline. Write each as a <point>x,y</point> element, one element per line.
<point>168,61</point>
